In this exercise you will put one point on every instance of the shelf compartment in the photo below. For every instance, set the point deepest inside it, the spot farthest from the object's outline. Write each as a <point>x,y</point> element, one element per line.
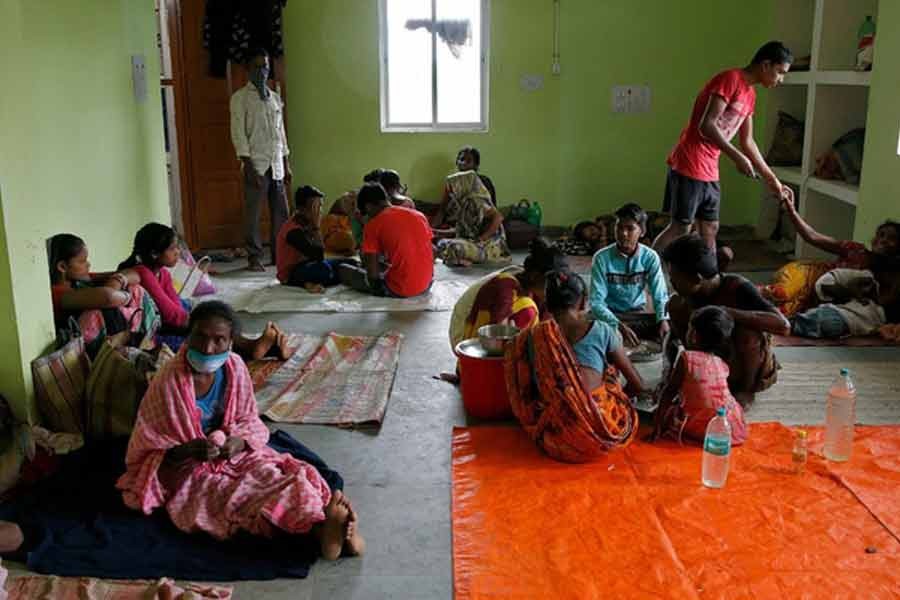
<point>859,78</point>
<point>794,26</point>
<point>790,99</point>
<point>826,215</point>
<point>833,188</point>
<point>792,175</point>
<point>837,110</point>
<point>840,23</point>
<point>797,78</point>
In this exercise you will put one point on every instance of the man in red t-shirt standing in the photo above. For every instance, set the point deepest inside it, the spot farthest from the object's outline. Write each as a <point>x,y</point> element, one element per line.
<point>398,235</point>
<point>723,108</point>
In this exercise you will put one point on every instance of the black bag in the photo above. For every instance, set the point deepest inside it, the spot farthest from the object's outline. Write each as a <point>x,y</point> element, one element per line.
<point>519,234</point>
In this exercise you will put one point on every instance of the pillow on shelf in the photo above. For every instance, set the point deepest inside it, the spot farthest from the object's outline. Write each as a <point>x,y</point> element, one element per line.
<point>787,143</point>
<point>849,151</point>
<point>844,159</point>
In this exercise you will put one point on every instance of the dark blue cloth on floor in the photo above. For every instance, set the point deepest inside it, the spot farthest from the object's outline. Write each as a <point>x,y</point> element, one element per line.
<point>76,524</point>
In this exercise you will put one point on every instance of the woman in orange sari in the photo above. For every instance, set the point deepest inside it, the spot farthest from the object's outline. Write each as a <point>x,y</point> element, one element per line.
<point>562,377</point>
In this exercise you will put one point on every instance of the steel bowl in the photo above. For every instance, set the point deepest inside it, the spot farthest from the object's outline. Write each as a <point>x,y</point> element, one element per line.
<point>495,337</point>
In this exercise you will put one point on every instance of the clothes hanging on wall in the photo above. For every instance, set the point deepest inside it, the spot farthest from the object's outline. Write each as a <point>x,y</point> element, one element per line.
<point>233,28</point>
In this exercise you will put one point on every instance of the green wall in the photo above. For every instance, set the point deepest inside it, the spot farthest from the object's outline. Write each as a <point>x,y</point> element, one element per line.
<point>879,194</point>
<point>560,145</point>
<point>609,159</point>
<point>78,154</point>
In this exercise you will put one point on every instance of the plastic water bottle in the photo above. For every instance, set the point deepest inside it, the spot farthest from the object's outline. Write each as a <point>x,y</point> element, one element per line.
<point>840,417</point>
<point>799,452</point>
<point>716,450</point>
<point>867,29</point>
<point>865,45</point>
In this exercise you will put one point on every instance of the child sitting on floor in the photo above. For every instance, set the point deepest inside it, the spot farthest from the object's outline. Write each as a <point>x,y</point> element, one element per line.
<point>154,251</point>
<point>396,248</point>
<point>301,251</point>
<point>103,304</point>
<point>851,306</point>
<point>342,227</point>
<point>396,191</point>
<point>337,227</point>
<point>698,381</point>
<point>621,272</point>
<point>596,344</point>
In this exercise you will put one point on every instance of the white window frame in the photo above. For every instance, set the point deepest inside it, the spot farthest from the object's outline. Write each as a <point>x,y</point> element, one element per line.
<point>434,127</point>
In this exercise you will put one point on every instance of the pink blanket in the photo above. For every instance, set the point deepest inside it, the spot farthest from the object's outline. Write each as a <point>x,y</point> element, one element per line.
<point>256,491</point>
<point>83,588</point>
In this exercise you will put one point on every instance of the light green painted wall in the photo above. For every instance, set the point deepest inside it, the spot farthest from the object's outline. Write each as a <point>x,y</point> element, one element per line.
<point>675,48</point>
<point>11,375</point>
<point>333,104</point>
<point>78,153</point>
<point>560,145</point>
<point>879,195</point>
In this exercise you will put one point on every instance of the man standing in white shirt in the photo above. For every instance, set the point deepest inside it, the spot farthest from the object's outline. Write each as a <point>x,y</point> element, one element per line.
<point>257,132</point>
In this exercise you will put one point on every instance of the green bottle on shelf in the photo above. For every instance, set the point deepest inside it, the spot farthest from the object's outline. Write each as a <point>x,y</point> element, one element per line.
<point>865,47</point>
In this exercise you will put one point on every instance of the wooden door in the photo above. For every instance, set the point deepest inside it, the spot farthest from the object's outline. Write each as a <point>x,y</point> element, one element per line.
<point>213,194</point>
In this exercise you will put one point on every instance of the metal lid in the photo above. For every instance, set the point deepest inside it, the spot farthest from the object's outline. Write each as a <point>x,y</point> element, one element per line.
<point>472,348</point>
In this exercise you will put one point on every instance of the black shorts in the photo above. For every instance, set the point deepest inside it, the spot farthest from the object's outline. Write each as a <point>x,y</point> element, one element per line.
<point>687,199</point>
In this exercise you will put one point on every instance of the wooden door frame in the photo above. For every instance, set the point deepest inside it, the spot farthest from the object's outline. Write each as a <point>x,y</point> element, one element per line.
<point>182,117</point>
<point>183,142</point>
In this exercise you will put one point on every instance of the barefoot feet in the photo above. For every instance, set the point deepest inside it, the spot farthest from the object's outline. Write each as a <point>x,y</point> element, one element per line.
<point>314,288</point>
<point>265,342</point>
<point>10,537</point>
<point>253,264</point>
<point>331,532</point>
<point>354,544</point>
<point>281,349</point>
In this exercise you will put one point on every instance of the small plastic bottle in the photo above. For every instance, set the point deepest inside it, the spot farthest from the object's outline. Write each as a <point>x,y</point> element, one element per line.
<point>865,45</point>
<point>840,418</point>
<point>716,451</point>
<point>799,453</point>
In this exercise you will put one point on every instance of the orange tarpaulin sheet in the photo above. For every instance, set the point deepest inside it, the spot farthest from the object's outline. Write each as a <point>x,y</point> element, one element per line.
<point>638,524</point>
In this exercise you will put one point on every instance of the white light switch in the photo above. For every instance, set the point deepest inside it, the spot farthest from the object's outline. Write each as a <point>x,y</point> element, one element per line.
<point>531,83</point>
<point>139,77</point>
<point>631,99</point>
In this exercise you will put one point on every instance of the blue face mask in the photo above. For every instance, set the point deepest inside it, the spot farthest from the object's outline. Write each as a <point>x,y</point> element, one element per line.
<point>206,363</point>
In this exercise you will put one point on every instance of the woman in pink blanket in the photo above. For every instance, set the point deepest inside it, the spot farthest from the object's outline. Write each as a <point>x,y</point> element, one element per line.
<point>199,450</point>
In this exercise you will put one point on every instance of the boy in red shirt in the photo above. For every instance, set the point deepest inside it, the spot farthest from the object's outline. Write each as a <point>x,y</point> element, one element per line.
<point>402,238</point>
<point>723,108</point>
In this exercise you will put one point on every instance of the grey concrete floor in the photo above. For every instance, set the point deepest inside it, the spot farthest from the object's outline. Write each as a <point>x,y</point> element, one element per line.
<point>398,476</point>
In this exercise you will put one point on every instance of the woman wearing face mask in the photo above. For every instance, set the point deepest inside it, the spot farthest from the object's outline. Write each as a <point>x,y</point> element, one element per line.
<point>199,450</point>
